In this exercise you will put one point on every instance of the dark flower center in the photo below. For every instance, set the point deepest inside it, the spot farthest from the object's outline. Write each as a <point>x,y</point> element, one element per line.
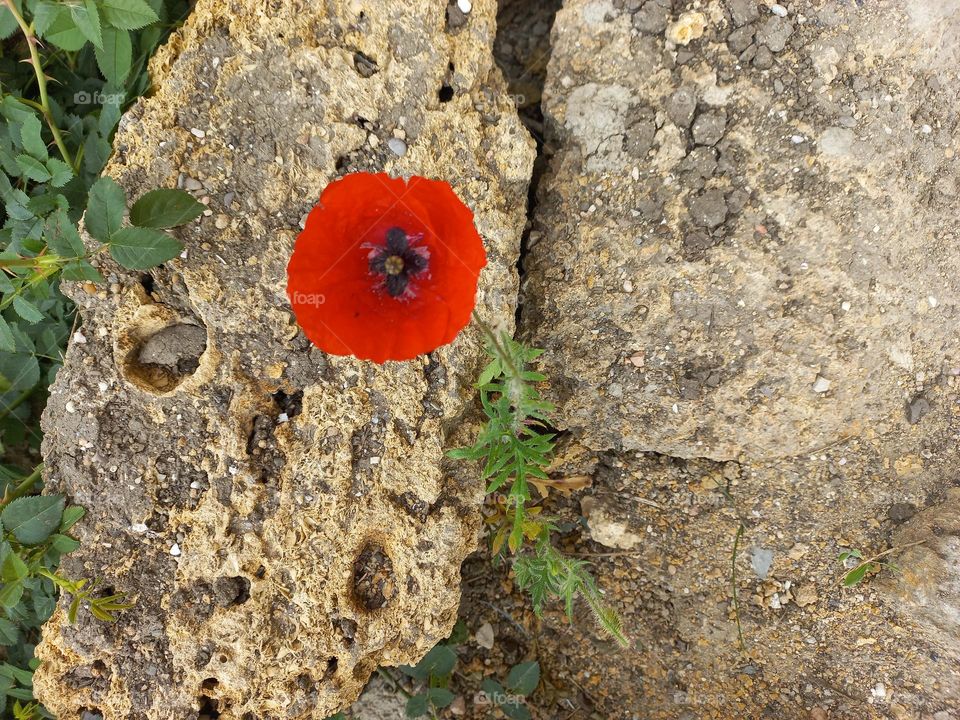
<point>398,261</point>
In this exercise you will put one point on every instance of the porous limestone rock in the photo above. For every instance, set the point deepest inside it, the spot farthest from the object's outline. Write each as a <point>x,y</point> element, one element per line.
<point>283,520</point>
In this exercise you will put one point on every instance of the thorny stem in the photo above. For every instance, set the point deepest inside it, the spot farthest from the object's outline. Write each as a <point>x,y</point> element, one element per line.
<point>41,80</point>
<point>25,486</point>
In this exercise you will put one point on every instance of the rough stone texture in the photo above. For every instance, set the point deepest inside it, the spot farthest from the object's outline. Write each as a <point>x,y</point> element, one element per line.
<point>928,584</point>
<point>794,367</point>
<point>838,260</point>
<point>284,520</point>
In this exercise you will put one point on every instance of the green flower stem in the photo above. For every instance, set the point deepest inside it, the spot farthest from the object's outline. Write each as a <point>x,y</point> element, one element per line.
<point>16,403</point>
<point>41,81</point>
<point>24,487</point>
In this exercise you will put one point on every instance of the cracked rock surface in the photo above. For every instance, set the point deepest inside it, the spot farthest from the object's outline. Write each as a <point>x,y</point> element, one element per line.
<point>744,271</point>
<point>284,520</point>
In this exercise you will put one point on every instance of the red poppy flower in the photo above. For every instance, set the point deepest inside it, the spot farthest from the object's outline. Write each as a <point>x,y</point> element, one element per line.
<point>386,268</point>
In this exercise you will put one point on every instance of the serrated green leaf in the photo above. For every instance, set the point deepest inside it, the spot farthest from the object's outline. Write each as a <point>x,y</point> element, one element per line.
<point>87,20</point>
<point>60,172</point>
<point>71,516</point>
<point>417,705</point>
<point>137,248</point>
<point>440,697</point>
<point>81,270</point>
<point>33,519</point>
<point>105,207</point>
<point>64,543</point>
<point>7,343</point>
<point>13,568</point>
<point>62,236</point>
<point>165,208</point>
<point>31,137</point>
<point>128,14</point>
<point>32,169</point>
<point>64,33</point>
<point>44,13</point>
<point>27,310</point>
<point>8,23</point>
<point>115,56</point>
<point>10,594</point>
<point>524,678</point>
<point>9,634</point>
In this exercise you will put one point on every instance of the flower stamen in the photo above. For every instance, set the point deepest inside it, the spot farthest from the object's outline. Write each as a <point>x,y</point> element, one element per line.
<point>398,261</point>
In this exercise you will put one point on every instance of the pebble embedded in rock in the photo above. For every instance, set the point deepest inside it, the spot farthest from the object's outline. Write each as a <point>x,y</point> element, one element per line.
<point>760,560</point>
<point>821,384</point>
<point>681,106</point>
<point>836,141</point>
<point>775,33</point>
<point>740,39</point>
<point>743,11</point>
<point>651,19</point>
<point>916,409</point>
<point>709,209</point>
<point>397,146</point>
<point>688,27</point>
<point>709,127</point>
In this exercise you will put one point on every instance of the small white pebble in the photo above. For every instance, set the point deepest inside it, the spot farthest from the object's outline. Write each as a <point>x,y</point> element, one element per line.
<point>198,133</point>
<point>797,139</point>
<point>138,528</point>
<point>79,337</point>
<point>71,408</point>
<point>778,9</point>
<point>232,470</point>
<point>375,460</point>
<point>628,286</point>
<point>926,129</point>
<point>194,485</point>
<point>175,550</point>
<point>103,386</point>
<point>397,146</point>
<point>465,6</point>
<point>845,306</point>
<point>283,417</point>
<point>932,301</point>
<point>821,385</point>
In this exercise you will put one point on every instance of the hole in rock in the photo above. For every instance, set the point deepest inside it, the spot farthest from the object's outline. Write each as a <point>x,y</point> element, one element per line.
<point>365,66</point>
<point>331,670</point>
<point>146,281</point>
<point>291,405</point>
<point>445,94</point>
<point>91,714</point>
<point>166,358</point>
<point>373,580</point>
<point>229,591</point>
<point>209,709</point>
<point>209,685</point>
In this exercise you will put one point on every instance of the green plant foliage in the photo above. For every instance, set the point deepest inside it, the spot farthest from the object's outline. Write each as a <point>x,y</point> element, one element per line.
<point>515,446</point>
<point>67,71</point>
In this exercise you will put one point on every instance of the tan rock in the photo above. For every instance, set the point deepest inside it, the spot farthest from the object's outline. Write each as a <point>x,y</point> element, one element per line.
<point>320,530</point>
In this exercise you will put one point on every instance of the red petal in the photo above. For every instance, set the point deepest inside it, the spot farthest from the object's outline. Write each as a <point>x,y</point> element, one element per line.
<point>333,295</point>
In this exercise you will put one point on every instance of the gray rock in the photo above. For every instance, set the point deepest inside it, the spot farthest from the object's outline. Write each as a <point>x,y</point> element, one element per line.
<point>681,105</point>
<point>775,33</point>
<point>740,39</point>
<point>709,127</point>
<point>708,209</point>
<point>651,18</point>
<point>743,11</point>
